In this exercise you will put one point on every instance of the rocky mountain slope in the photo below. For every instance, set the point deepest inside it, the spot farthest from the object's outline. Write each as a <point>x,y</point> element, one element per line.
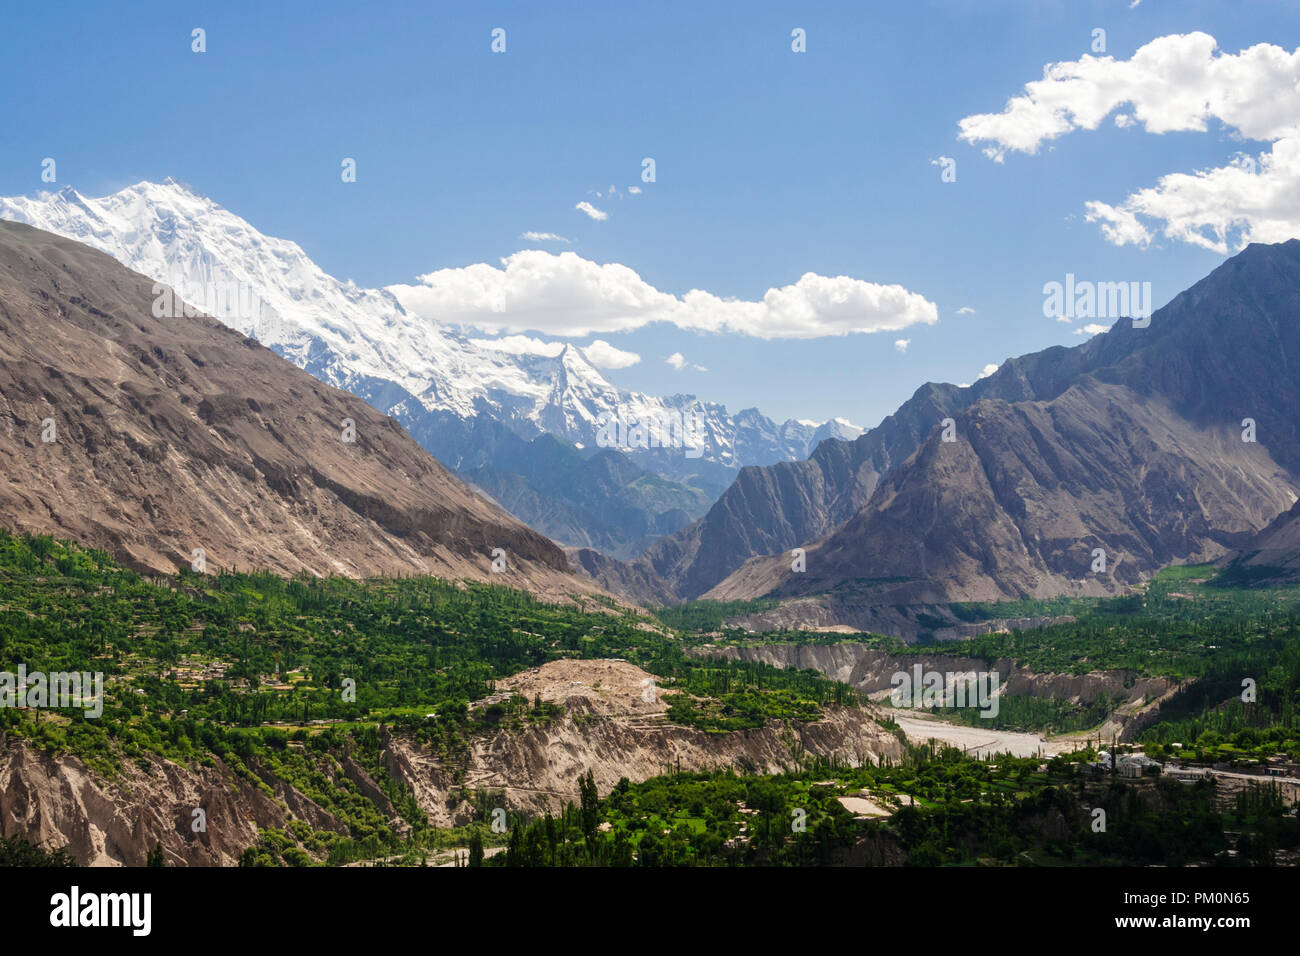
<point>157,437</point>
<point>1273,555</point>
<point>1131,442</point>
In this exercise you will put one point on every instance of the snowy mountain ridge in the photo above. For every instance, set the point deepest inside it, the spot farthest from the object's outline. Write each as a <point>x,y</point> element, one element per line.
<point>362,340</point>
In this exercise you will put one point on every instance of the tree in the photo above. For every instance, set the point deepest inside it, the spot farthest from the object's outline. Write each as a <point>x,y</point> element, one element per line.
<point>155,857</point>
<point>476,849</point>
<point>590,801</point>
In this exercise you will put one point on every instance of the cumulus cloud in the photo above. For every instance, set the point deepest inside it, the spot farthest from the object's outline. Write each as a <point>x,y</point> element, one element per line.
<point>634,190</point>
<point>1174,83</point>
<point>603,355</point>
<point>1249,200</point>
<point>564,294</point>
<point>902,344</point>
<point>988,370</point>
<point>1091,328</point>
<point>678,361</point>
<point>542,237</point>
<point>591,211</point>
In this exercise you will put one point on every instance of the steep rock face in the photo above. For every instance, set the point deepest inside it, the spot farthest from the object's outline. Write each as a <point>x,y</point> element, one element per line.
<point>60,802</point>
<point>175,433</point>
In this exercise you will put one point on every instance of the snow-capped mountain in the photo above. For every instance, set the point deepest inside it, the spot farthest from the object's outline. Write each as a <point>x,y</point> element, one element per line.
<point>426,375</point>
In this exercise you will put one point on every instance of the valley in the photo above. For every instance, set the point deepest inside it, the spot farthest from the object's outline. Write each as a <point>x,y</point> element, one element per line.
<point>698,447</point>
<point>311,721</point>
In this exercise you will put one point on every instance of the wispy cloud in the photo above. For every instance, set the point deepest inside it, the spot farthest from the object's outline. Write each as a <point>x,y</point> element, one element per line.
<point>591,211</point>
<point>520,345</point>
<point>599,353</point>
<point>542,237</point>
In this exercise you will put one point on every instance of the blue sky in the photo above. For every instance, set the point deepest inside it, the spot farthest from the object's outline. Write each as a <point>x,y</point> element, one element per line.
<point>769,163</point>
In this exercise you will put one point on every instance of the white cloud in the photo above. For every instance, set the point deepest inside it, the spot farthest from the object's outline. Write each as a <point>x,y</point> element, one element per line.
<point>598,214</point>
<point>599,353</point>
<point>965,310</point>
<point>1119,226</point>
<point>634,190</point>
<point>1091,329</point>
<point>520,345</point>
<point>603,355</point>
<point>542,237</point>
<point>988,370</point>
<point>1174,83</point>
<point>902,344</point>
<point>564,294</point>
<point>678,361</point>
<point>1249,200</point>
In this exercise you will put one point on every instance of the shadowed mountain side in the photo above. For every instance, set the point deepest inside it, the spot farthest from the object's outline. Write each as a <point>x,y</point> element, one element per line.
<point>1272,556</point>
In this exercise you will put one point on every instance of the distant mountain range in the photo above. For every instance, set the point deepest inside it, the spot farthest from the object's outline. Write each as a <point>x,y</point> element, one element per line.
<point>1131,443</point>
<point>448,390</point>
<point>175,442</point>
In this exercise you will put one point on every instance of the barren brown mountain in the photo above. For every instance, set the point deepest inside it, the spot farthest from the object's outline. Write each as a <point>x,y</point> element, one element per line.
<point>153,438</point>
<point>1131,442</point>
